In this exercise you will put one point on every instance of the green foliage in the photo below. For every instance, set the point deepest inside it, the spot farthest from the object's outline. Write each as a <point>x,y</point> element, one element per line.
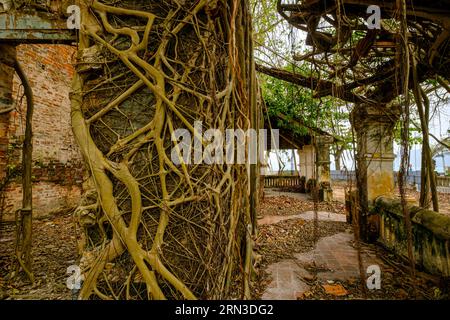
<point>270,33</point>
<point>295,103</point>
<point>275,41</point>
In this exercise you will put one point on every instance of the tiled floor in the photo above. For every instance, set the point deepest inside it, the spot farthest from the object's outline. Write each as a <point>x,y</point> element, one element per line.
<point>286,282</point>
<point>337,254</point>
<point>336,258</point>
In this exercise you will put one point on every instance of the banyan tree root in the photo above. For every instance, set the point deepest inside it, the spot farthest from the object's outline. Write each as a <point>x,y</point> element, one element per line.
<point>24,216</point>
<point>154,229</point>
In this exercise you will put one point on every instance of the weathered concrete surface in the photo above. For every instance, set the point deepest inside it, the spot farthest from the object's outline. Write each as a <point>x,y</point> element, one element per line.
<point>431,234</point>
<point>323,167</point>
<point>36,22</point>
<point>374,125</point>
<point>307,215</point>
<point>334,255</point>
<point>286,281</point>
<point>375,136</point>
<point>33,28</point>
<point>307,161</point>
<point>335,258</point>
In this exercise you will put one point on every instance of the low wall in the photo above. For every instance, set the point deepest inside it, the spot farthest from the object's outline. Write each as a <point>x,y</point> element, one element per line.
<point>337,175</point>
<point>443,184</point>
<point>281,181</point>
<point>431,234</point>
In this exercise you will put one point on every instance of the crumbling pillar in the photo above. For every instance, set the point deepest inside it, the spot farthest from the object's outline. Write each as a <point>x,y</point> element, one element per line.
<point>323,167</point>
<point>375,158</point>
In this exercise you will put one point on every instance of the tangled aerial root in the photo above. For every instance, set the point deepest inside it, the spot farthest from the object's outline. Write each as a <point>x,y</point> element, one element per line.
<point>153,229</point>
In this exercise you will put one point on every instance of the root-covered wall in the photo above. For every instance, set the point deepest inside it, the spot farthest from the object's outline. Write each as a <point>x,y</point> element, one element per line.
<point>154,229</point>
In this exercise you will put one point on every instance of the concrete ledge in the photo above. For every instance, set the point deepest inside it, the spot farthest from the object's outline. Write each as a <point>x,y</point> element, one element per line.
<point>35,28</point>
<point>431,234</point>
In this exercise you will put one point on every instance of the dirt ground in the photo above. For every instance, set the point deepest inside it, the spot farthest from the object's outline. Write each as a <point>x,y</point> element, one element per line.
<point>284,239</point>
<point>55,249</point>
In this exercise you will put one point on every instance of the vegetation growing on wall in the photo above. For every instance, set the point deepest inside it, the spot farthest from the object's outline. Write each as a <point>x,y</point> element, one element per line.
<point>153,229</point>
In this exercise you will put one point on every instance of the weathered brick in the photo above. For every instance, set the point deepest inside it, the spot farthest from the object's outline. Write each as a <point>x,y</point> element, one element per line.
<point>58,170</point>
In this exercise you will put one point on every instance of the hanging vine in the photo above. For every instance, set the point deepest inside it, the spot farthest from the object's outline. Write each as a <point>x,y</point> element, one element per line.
<point>154,229</point>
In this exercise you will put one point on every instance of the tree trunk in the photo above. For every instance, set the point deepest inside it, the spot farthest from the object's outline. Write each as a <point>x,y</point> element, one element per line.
<point>430,163</point>
<point>425,199</point>
<point>428,180</point>
<point>24,220</point>
<point>153,228</point>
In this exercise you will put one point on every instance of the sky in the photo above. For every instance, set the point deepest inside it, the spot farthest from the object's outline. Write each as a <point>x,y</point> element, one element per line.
<point>439,125</point>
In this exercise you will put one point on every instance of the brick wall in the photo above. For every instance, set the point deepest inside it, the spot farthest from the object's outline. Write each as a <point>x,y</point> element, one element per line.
<point>7,54</point>
<point>57,169</point>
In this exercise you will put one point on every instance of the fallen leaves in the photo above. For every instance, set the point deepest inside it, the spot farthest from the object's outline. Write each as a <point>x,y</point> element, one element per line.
<point>54,249</point>
<point>282,240</point>
<point>284,205</point>
<point>335,290</point>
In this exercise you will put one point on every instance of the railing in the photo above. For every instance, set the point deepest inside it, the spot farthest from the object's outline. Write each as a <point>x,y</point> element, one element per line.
<point>431,234</point>
<point>443,181</point>
<point>413,179</point>
<point>281,181</point>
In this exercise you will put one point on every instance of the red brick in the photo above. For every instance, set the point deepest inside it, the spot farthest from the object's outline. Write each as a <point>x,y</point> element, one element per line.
<point>57,178</point>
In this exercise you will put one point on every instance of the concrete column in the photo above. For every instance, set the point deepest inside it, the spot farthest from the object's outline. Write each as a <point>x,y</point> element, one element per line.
<point>323,167</point>
<point>7,56</point>
<point>307,161</point>
<point>302,162</point>
<point>375,159</point>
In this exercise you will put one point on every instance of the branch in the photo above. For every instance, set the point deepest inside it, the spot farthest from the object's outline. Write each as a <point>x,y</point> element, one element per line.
<point>322,87</point>
<point>443,83</point>
<point>442,143</point>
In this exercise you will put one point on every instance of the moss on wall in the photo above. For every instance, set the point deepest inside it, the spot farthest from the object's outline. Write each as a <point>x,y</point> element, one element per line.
<point>431,234</point>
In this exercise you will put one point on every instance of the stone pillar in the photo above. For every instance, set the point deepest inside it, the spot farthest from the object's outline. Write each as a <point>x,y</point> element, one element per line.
<point>323,167</point>
<point>302,162</point>
<point>375,158</point>
<point>7,56</point>
<point>307,161</point>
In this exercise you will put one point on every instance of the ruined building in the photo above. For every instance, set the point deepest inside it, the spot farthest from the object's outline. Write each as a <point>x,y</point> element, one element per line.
<point>57,168</point>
